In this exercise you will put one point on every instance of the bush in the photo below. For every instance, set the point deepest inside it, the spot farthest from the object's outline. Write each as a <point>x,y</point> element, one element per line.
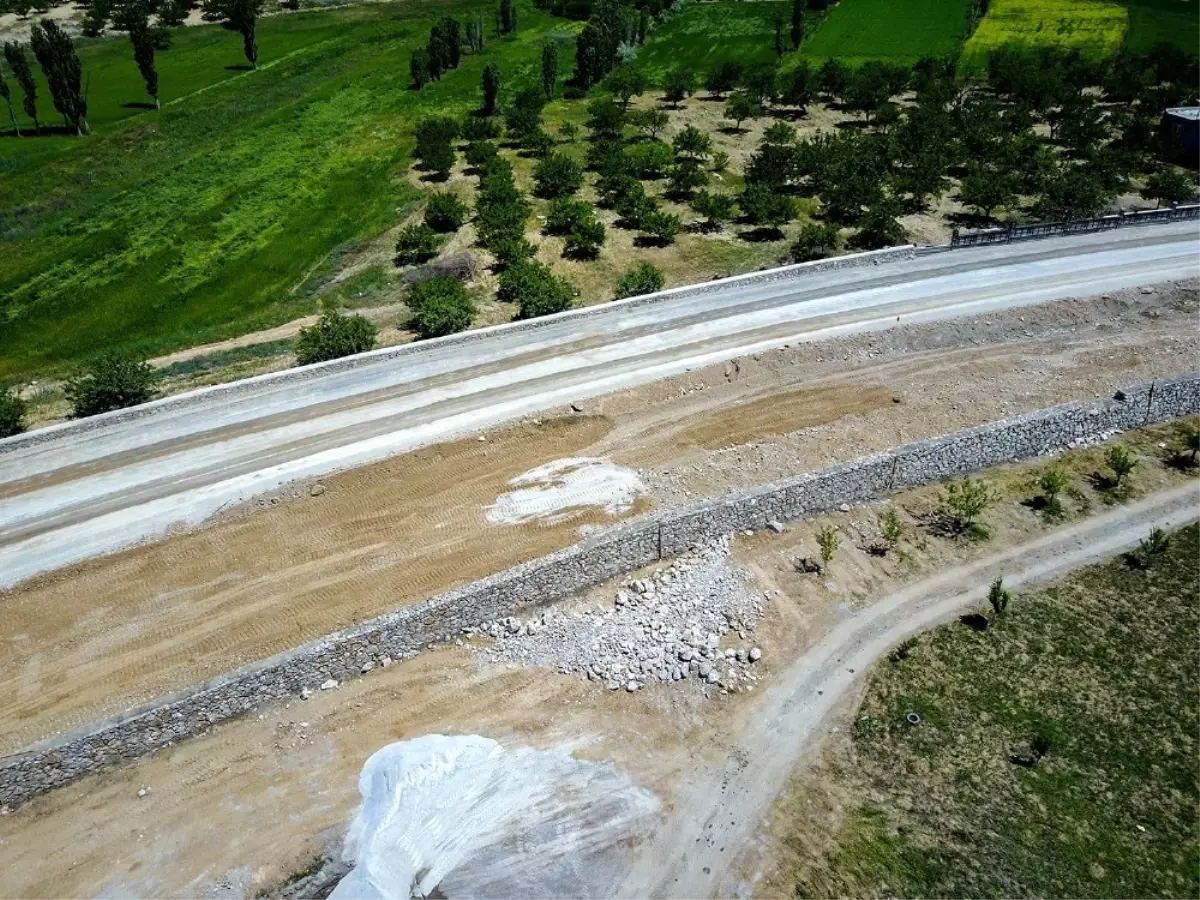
<point>648,159</point>
<point>334,336</point>
<point>586,236</point>
<point>686,177</point>
<point>511,250</point>
<point>480,128</point>
<point>878,227</point>
<point>440,306</point>
<point>644,278</point>
<point>1052,483</point>
<point>415,244</point>
<point>110,382</point>
<point>557,175</point>
<point>999,596</point>
<point>816,240</point>
<point>564,213</point>
<point>962,502</point>
<point>1121,461</point>
<point>634,206</point>
<point>12,413</point>
<point>661,226</point>
<point>445,212</point>
<point>716,208</point>
<point>827,542</point>
<point>765,207</point>
<point>539,293</point>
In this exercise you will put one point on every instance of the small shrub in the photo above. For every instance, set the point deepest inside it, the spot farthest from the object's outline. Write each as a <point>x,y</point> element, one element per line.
<point>480,153</point>
<point>479,128</point>
<point>564,213</point>
<point>827,542</point>
<point>445,212</point>
<point>1121,461</point>
<point>961,504</point>
<point>661,227</point>
<point>334,336</point>
<point>12,413</point>
<point>415,244</point>
<point>1185,453</point>
<point>110,382</point>
<point>816,240</point>
<point>1153,545</point>
<point>531,284</point>
<point>998,596</point>
<point>648,159</point>
<point>440,306</point>
<point>644,278</point>
<point>891,529</point>
<point>511,250</point>
<point>1052,483</point>
<point>586,237</point>
<point>720,161</point>
<point>557,175</point>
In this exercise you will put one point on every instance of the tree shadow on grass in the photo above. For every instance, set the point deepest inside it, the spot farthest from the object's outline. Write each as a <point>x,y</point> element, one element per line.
<point>240,67</point>
<point>138,106</point>
<point>761,234</point>
<point>649,240</point>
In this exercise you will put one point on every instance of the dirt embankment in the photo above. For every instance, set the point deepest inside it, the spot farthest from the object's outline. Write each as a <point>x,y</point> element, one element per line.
<point>238,810</point>
<point>100,637</point>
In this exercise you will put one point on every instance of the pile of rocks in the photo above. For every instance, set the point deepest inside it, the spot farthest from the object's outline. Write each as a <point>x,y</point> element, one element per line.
<point>665,628</point>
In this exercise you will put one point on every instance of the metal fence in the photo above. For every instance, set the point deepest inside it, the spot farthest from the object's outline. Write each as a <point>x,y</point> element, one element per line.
<point>1076,226</point>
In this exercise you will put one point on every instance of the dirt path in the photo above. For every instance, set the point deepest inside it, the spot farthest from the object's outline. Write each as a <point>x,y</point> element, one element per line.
<point>722,806</point>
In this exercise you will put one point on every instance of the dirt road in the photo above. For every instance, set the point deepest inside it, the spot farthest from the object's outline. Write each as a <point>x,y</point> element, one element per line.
<point>97,638</point>
<point>722,806</point>
<point>81,489</point>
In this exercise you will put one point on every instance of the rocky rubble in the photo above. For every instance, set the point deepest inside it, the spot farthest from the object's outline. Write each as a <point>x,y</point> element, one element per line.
<point>665,628</point>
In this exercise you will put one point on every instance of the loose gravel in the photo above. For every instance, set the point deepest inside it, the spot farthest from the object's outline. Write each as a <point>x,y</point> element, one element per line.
<point>692,619</point>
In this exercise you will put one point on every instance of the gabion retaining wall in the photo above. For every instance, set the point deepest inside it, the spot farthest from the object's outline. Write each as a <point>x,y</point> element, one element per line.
<point>646,539</point>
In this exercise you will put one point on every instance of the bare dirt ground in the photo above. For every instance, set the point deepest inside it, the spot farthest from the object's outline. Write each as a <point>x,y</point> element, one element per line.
<point>236,811</point>
<point>98,638</point>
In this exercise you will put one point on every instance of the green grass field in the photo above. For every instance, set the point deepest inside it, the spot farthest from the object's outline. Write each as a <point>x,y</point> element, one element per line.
<point>1097,27</point>
<point>1163,21</point>
<point>209,218</point>
<point>858,30</point>
<point>1102,664</point>
<point>703,34</point>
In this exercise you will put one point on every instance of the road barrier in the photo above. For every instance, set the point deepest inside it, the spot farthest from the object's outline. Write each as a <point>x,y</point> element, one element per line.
<point>1075,226</point>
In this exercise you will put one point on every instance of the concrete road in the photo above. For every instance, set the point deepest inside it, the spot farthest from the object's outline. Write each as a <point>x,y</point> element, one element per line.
<point>76,493</point>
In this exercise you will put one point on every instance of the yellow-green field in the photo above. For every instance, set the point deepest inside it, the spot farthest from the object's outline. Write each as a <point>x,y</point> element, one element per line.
<point>1096,27</point>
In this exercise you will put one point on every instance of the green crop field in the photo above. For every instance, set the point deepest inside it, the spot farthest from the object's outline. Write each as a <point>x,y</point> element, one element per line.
<point>858,30</point>
<point>1163,21</point>
<point>703,34</point>
<point>207,219</point>
<point>1096,27</point>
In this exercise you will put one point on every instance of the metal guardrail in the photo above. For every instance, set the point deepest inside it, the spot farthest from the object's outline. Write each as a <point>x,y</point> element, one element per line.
<point>1075,226</point>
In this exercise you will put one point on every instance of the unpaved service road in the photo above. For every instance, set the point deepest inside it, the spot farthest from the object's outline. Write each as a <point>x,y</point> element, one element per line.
<point>71,492</point>
<point>720,808</point>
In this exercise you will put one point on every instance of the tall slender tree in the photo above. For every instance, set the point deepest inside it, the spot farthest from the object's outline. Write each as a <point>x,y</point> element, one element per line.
<point>798,8</point>
<point>550,69</point>
<point>14,55</point>
<point>491,88</point>
<point>134,19</point>
<point>508,17</point>
<point>6,94</point>
<point>56,55</point>
<point>240,16</point>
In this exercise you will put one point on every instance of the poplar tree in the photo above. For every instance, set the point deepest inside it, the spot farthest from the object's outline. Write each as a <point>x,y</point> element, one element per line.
<point>798,7</point>
<point>6,93</point>
<point>508,17</point>
<point>240,16</point>
<point>491,88</point>
<point>549,68</point>
<point>134,19</point>
<point>14,55</point>
<point>56,55</point>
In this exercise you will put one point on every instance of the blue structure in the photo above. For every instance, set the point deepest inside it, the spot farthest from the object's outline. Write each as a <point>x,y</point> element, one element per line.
<point>1182,123</point>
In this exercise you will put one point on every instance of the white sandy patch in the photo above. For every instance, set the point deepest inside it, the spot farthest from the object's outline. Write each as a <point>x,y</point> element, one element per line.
<point>553,492</point>
<point>475,819</point>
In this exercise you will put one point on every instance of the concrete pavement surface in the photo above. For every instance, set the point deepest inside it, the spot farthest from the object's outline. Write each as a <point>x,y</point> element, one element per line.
<point>70,494</point>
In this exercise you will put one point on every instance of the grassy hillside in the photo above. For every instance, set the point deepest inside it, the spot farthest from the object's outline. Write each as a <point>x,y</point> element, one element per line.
<point>1157,21</point>
<point>204,220</point>
<point>1099,670</point>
